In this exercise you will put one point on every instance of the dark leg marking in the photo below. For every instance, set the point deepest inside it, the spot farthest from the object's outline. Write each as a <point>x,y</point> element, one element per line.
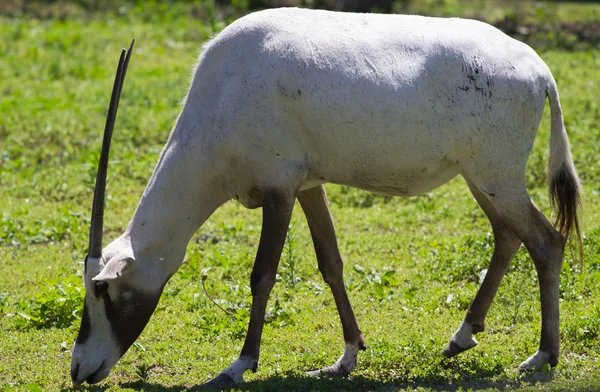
<point>277,211</point>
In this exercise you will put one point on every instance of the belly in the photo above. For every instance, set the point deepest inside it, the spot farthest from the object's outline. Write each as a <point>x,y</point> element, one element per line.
<point>394,181</point>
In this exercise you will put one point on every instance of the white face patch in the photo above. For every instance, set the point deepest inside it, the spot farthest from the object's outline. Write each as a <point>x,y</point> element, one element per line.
<point>114,316</point>
<point>96,350</point>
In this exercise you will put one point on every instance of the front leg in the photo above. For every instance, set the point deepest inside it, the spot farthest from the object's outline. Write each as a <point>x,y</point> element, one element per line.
<point>277,211</point>
<point>315,206</point>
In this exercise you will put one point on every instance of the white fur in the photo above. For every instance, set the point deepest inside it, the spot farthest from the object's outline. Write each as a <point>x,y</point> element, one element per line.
<point>348,360</point>
<point>237,369</point>
<point>343,366</point>
<point>463,336</point>
<point>535,362</point>
<point>289,99</point>
<point>100,349</point>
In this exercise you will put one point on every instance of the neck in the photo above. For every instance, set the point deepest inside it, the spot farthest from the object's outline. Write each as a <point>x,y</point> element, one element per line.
<point>176,202</point>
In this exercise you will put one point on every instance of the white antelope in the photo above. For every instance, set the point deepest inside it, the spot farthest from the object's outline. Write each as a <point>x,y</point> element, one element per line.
<point>286,100</point>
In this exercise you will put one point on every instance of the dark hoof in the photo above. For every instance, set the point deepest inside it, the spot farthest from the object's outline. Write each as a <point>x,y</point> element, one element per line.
<point>322,373</point>
<point>453,348</point>
<point>219,382</point>
<point>523,371</point>
<point>316,373</point>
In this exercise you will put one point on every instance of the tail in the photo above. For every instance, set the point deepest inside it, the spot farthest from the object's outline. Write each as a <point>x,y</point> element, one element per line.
<point>563,183</point>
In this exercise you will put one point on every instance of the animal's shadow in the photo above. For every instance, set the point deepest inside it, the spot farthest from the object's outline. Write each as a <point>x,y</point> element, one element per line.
<point>480,378</point>
<point>360,383</point>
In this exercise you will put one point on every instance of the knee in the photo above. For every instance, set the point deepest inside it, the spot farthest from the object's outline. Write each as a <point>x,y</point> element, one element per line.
<point>261,283</point>
<point>332,269</point>
<point>506,242</point>
<point>549,252</point>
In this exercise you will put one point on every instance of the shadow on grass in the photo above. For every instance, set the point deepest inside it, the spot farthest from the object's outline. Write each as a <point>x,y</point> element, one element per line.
<point>302,383</point>
<point>91,388</point>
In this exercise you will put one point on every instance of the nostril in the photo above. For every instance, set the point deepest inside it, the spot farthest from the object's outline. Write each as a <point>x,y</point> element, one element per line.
<point>93,378</point>
<point>74,373</point>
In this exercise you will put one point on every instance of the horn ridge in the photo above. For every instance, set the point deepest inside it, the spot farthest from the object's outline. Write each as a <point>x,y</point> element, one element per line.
<point>97,220</point>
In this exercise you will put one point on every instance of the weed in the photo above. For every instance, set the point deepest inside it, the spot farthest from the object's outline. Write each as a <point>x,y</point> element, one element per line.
<point>142,372</point>
<point>381,284</point>
<point>289,259</point>
<point>58,305</point>
<point>278,316</point>
<point>3,302</point>
<point>518,287</point>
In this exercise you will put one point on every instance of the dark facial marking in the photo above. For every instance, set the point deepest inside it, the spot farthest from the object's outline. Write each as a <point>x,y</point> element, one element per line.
<point>85,327</point>
<point>74,373</point>
<point>128,318</point>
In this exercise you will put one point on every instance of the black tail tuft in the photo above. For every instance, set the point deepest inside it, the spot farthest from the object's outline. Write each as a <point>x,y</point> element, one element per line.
<point>565,200</point>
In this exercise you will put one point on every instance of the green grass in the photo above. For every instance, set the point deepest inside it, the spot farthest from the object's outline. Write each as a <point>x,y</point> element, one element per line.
<point>412,265</point>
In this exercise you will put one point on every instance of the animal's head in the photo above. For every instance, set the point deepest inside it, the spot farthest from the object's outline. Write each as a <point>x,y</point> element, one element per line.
<point>118,304</point>
<point>119,298</point>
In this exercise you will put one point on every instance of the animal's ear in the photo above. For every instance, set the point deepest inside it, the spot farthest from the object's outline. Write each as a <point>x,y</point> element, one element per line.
<point>114,269</point>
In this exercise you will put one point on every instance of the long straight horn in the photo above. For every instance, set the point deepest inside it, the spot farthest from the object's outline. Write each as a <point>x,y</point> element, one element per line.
<point>97,221</point>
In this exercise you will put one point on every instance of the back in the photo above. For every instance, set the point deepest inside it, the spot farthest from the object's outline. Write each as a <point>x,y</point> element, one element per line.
<point>383,95</point>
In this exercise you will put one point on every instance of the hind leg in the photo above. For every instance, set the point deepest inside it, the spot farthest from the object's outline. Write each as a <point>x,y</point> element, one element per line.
<point>546,247</point>
<point>544,244</point>
<point>506,244</point>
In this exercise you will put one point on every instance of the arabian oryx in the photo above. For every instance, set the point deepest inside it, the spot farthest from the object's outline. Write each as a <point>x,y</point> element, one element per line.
<point>286,100</point>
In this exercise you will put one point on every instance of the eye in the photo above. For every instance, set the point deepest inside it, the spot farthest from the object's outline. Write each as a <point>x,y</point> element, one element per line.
<point>100,288</point>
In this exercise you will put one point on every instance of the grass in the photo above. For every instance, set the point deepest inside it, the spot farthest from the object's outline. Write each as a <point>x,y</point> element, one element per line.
<point>412,265</point>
